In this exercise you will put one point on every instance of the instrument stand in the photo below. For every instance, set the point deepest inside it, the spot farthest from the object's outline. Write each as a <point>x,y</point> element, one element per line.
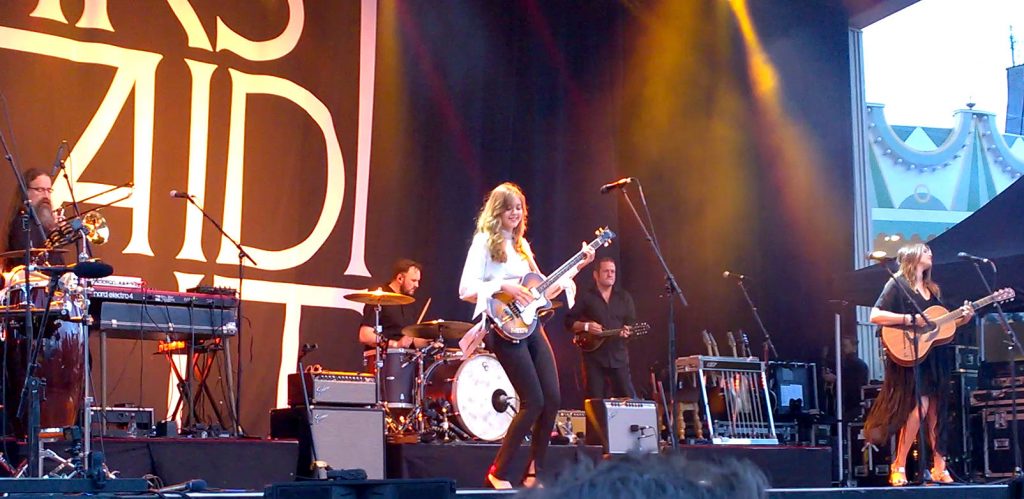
<point>768,347</point>
<point>922,460</point>
<point>235,392</point>
<point>840,416</point>
<point>319,467</point>
<point>672,288</point>
<point>200,363</point>
<point>1014,346</point>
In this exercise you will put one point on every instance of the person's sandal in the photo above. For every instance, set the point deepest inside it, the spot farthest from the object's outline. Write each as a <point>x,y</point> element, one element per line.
<point>497,483</point>
<point>941,476</point>
<point>898,477</point>
<point>530,481</point>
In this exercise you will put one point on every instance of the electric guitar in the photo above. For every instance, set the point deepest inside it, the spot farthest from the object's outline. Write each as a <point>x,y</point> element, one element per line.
<point>516,322</point>
<point>588,341</point>
<point>899,340</point>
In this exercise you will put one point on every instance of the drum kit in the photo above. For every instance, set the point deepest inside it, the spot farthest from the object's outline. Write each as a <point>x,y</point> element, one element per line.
<point>435,392</point>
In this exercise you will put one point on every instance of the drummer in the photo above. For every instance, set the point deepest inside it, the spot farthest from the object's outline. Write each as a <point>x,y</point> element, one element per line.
<point>40,188</point>
<point>405,278</point>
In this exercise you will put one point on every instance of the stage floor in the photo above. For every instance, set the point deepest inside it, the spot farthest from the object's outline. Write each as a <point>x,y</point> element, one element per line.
<point>467,463</point>
<point>225,463</point>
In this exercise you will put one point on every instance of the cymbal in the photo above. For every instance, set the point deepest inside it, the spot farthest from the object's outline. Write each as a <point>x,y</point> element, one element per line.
<point>439,328</point>
<point>35,252</point>
<point>379,297</point>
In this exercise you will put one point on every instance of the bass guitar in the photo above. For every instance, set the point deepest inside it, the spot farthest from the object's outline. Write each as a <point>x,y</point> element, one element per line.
<point>516,322</point>
<point>899,340</point>
<point>588,342</point>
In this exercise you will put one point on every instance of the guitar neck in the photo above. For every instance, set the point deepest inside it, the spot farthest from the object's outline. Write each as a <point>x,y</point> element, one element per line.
<point>565,267</point>
<point>958,313</point>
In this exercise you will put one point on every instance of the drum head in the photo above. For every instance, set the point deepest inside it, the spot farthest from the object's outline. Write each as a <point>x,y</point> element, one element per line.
<point>478,384</point>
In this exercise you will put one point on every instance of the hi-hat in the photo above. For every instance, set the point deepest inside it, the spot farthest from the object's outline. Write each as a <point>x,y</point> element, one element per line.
<point>35,252</point>
<point>439,328</point>
<point>379,297</point>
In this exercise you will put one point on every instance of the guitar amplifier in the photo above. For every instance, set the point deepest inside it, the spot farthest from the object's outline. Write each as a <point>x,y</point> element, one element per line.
<point>571,423</point>
<point>122,421</point>
<point>622,426</point>
<point>333,388</point>
<point>344,437</point>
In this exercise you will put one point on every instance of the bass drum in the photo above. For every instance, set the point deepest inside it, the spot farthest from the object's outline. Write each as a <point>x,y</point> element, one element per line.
<point>480,394</point>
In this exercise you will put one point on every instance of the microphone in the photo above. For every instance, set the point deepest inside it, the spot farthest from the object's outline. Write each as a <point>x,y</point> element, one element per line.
<point>615,185</point>
<point>197,485</point>
<point>738,277</point>
<point>180,194</point>
<point>976,259</point>
<point>89,269</point>
<point>880,256</point>
<point>500,400</point>
<point>58,162</point>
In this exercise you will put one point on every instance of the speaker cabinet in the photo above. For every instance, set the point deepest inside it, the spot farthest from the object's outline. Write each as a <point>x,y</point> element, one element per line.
<point>345,437</point>
<point>622,426</point>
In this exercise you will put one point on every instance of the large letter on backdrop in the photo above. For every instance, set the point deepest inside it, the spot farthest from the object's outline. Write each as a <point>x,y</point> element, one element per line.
<point>243,85</point>
<point>136,71</point>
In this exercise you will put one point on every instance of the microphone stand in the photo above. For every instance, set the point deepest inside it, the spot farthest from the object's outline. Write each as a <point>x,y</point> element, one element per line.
<point>768,347</point>
<point>672,287</point>
<point>34,388</point>
<point>923,472</point>
<point>1014,343</point>
<point>236,406</point>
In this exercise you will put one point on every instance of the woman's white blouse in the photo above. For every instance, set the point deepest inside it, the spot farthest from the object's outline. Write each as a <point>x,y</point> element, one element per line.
<point>483,277</point>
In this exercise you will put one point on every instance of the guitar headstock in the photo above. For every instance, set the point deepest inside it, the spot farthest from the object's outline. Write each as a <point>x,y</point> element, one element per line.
<point>604,236</point>
<point>732,339</point>
<point>640,328</point>
<point>1005,294</point>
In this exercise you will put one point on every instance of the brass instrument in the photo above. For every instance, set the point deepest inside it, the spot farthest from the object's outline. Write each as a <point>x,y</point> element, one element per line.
<point>90,223</point>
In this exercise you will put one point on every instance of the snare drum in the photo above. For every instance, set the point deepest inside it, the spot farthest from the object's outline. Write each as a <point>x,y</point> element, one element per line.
<point>474,388</point>
<point>398,383</point>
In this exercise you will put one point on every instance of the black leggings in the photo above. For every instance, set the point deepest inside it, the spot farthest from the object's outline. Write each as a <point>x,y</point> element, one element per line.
<point>530,366</point>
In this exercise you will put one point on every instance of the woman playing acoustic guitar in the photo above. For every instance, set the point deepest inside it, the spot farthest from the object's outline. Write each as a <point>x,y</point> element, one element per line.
<point>896,410</point>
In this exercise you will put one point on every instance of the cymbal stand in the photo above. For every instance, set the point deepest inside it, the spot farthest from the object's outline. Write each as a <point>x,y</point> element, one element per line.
<point>381,348</point>
<point>416,416</point>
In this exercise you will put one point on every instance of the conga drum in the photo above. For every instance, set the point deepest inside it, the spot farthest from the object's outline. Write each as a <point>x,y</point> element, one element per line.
<point>60,358</point>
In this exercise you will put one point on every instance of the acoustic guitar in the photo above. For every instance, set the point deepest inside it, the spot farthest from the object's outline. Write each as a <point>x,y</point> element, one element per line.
<point>516,322</point>
<point>590,341</point>
<point>899,340</point>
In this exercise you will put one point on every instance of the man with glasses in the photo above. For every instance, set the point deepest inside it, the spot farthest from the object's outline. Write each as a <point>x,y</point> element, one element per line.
<point>40,189</point>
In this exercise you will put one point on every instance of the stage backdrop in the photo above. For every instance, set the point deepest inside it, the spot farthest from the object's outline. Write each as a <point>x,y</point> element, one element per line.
<point>331,138</point>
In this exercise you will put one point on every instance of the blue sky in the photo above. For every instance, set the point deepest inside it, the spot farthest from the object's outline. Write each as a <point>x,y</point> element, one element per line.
<point>933,57</point>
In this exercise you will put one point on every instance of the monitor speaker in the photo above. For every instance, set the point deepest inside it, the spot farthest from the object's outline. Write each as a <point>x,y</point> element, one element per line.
<point>345,437</point>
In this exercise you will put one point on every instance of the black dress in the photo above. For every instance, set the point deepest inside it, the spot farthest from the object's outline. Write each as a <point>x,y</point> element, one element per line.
<point>896,400</point>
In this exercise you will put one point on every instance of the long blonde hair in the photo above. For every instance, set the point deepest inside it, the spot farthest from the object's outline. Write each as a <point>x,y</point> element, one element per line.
<point>909,256</point>
<point>500,200</point>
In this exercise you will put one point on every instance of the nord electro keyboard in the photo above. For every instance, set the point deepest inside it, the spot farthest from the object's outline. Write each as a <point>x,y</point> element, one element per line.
<point>142,313</point>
